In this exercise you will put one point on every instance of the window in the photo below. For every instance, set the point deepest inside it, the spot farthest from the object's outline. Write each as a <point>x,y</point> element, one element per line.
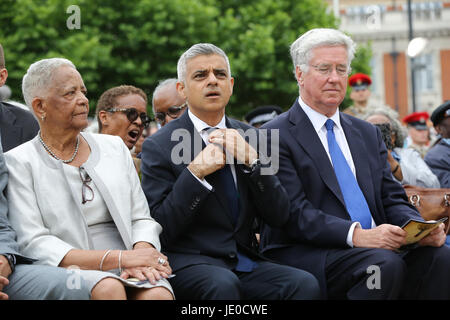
<point>423,73</point>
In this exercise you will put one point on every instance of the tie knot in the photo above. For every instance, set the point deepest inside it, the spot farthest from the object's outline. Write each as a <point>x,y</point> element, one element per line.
<point>208,130</point>
<point>329,124</point>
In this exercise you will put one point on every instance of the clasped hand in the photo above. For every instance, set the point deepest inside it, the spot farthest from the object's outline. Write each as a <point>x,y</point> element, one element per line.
<point>213,156</point>
<point>143,263</point>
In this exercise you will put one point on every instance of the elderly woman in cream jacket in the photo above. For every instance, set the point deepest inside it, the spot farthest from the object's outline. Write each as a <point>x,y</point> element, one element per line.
<point>75,198</point>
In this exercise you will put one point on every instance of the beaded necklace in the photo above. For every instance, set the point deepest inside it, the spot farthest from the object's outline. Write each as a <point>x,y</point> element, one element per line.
<point>54,155</point>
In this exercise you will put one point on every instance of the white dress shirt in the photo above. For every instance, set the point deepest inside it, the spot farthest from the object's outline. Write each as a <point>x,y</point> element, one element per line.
<point>200,125</point>
<point>318,121</point>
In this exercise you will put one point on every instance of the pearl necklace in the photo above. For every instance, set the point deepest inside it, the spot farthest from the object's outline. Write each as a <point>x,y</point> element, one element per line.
<point>54,155</point>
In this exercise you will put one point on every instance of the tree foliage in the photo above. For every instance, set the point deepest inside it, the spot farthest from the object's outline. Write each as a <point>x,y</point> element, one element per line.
<point>139,42</point>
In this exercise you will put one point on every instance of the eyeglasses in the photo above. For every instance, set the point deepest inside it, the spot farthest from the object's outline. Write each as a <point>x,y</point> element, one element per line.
<point>326,69</point>
<point>87,194</point>
<point>173,112</point>
<point>132,114</point>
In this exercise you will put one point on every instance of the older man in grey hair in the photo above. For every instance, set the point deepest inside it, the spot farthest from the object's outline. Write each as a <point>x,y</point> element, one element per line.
<point>346,212</point>
<point>206,206</point>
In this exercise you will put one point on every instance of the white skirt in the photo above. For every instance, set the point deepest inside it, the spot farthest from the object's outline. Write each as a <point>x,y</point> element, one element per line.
<point>92,277</point>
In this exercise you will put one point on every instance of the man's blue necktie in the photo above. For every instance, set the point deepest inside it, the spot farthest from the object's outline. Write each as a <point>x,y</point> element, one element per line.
<point>225,177</point>
<point>354,198</point>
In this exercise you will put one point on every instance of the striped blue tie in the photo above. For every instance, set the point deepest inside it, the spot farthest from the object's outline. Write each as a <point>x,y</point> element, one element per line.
<point>353,197</point>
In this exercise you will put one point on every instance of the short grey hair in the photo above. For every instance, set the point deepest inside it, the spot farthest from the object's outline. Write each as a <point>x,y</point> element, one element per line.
<point>39,77</point>
<point>162,84</point>
<point>396,126</point>
<point>199,49</point>
<point>302,47</point>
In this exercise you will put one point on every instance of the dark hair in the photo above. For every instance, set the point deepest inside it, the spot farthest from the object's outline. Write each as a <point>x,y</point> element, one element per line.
<point>108,99</point>
<point>2,57</point>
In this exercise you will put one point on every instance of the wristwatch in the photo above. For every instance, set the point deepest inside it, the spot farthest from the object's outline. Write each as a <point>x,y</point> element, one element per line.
<point>255,164</point>
<point>11,259</point>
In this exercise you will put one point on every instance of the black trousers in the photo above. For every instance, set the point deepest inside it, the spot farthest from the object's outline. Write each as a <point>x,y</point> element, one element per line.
<point>269,281</point>
<point>364,273</point>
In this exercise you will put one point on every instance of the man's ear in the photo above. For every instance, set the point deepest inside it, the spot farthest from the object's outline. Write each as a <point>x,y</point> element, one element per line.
<point>438,129</point>
<point>3,76</point>
<point>181,89</point>
<point>299,75</point>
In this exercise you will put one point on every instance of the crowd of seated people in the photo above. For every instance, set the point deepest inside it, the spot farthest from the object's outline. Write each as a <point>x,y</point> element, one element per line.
<point>186,206</point>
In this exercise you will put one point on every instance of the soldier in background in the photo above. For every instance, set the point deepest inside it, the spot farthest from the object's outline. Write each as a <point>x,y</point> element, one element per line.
<point>418,132</point>
<point>360,95</point>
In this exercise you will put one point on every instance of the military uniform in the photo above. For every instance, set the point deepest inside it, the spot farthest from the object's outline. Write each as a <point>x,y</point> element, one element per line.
<point>361,104</point>
<point>417,121</point>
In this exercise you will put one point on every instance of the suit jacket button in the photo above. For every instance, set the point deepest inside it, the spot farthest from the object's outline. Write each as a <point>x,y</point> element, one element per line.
<point>232,255</point>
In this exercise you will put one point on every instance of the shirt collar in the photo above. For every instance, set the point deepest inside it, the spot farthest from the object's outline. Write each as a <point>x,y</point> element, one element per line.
<point>199,124</point>
<point>318,120</point>
<point>446,140</point>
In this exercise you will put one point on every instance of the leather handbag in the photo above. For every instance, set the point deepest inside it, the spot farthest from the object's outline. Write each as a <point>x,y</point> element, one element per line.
<point>432,203</point>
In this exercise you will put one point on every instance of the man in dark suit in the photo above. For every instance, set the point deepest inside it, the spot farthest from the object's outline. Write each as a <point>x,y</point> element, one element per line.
<point>16,125</point>
<point>206,207</point>
<point>346,210</point>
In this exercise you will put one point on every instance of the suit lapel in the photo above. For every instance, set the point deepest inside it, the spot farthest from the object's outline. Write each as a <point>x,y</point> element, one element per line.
<point>194,138</point>
<point>303,131</point>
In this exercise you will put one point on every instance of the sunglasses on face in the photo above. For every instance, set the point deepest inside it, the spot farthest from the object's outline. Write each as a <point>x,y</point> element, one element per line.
<point>132,114</point>
<point>173,112</point>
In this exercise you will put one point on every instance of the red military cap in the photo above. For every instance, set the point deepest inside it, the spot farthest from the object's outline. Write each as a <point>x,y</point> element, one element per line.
<point>417,120</point>
<point>359,81</point>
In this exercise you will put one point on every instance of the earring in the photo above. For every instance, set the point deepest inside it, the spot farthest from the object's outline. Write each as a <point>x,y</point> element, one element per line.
<point>42,117</point>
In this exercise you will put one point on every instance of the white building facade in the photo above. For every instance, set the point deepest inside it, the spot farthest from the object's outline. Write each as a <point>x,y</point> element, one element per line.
<point>385,25</point>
